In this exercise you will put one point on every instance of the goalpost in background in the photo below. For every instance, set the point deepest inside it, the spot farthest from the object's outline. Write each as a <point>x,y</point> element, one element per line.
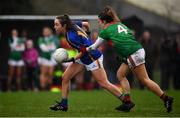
<point>33,24</point>
<point>31,18</point>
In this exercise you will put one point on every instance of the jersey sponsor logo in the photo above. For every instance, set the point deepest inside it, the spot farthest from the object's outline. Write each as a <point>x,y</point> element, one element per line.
<point>82,34</point>
<point>139,59</point>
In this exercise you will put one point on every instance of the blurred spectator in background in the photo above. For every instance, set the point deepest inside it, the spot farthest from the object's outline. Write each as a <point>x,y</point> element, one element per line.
<point>15,59</point>
<point>0,73</point>
<point>24,37</point>
<point>47,44</point>
<point>176,62</point>
<point>165,62</point>
<point>30,57</point>
<point>151,50</point>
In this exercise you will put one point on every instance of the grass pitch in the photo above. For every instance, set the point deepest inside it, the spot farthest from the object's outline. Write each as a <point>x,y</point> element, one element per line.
<point>84,104</point>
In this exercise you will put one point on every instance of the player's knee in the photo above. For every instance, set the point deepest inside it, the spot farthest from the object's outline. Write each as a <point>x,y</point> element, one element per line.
<point>145,81</point>
<point>120,76</point>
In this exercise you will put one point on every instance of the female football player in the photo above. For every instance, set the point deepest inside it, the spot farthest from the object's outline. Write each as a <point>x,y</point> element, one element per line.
<point>15,61</point>
<point>123,41</point>
<point>92,60</point>
<point>47,44</point>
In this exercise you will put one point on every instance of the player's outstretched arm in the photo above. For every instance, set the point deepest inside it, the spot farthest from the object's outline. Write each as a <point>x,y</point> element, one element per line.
<point>94,46</point>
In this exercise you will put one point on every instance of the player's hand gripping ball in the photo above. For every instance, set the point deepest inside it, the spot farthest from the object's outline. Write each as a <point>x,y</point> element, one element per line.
<point>60,55</point>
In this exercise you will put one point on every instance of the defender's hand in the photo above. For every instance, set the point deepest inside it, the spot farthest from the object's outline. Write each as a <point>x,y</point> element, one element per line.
<point>69,60</point>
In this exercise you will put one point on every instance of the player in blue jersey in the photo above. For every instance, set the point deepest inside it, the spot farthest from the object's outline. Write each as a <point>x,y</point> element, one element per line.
<point>92,60</point>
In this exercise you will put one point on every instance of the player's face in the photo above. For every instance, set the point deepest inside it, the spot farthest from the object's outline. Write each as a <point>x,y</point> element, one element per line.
<point>46,32</point>
<point>58,27</point>
<point>14,33</point>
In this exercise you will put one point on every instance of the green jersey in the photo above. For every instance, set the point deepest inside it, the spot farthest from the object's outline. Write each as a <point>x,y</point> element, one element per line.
<point>47,46</point>
<point>17,47</point>
<point>121,38</point>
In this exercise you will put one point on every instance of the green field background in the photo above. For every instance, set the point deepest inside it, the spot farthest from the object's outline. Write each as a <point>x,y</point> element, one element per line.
<point>84,104</point>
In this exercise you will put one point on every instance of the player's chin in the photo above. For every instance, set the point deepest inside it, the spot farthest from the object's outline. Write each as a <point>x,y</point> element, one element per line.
<point>59,32</point>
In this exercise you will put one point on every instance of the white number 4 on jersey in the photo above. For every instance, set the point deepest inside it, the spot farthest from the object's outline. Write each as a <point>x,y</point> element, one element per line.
<point>122,29</point>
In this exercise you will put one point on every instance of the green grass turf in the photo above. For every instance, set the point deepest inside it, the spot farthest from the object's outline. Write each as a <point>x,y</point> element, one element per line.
<point>84,103</point>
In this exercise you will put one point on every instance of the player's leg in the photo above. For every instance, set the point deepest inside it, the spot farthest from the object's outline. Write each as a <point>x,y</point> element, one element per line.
<point>69,73</point>
<point>127,104</point>
<point>43,77</point>
<point>43,71</point>
<point>10,76</point>
<point>50,75</point>
<point>121,75</point>
<point>18,77</point>
<point>72,70</point>
<point>141,74</point>
<point>30,77</point>
<point>79,80</point>
<point>100,76</point>
<point>136,62</point>
<point>51,66</point>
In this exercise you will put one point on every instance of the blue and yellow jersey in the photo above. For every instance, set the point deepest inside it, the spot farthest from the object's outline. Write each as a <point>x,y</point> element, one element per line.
<point>79,40</point>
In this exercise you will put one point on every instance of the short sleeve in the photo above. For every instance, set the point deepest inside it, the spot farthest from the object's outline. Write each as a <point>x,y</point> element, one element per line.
<point>103,34</point>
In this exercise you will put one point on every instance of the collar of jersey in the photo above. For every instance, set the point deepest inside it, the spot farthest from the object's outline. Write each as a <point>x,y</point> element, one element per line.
<point>67,37</point>
<point>108,24</point>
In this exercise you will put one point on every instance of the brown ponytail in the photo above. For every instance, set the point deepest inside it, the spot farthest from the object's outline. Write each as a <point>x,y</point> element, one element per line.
<point>65,20</point>
<point>108,15</point>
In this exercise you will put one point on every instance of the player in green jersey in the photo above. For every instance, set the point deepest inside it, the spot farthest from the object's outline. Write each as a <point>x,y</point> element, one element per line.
<point>15,61</point>
<point>47,45</point>
<point>123,41</point>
